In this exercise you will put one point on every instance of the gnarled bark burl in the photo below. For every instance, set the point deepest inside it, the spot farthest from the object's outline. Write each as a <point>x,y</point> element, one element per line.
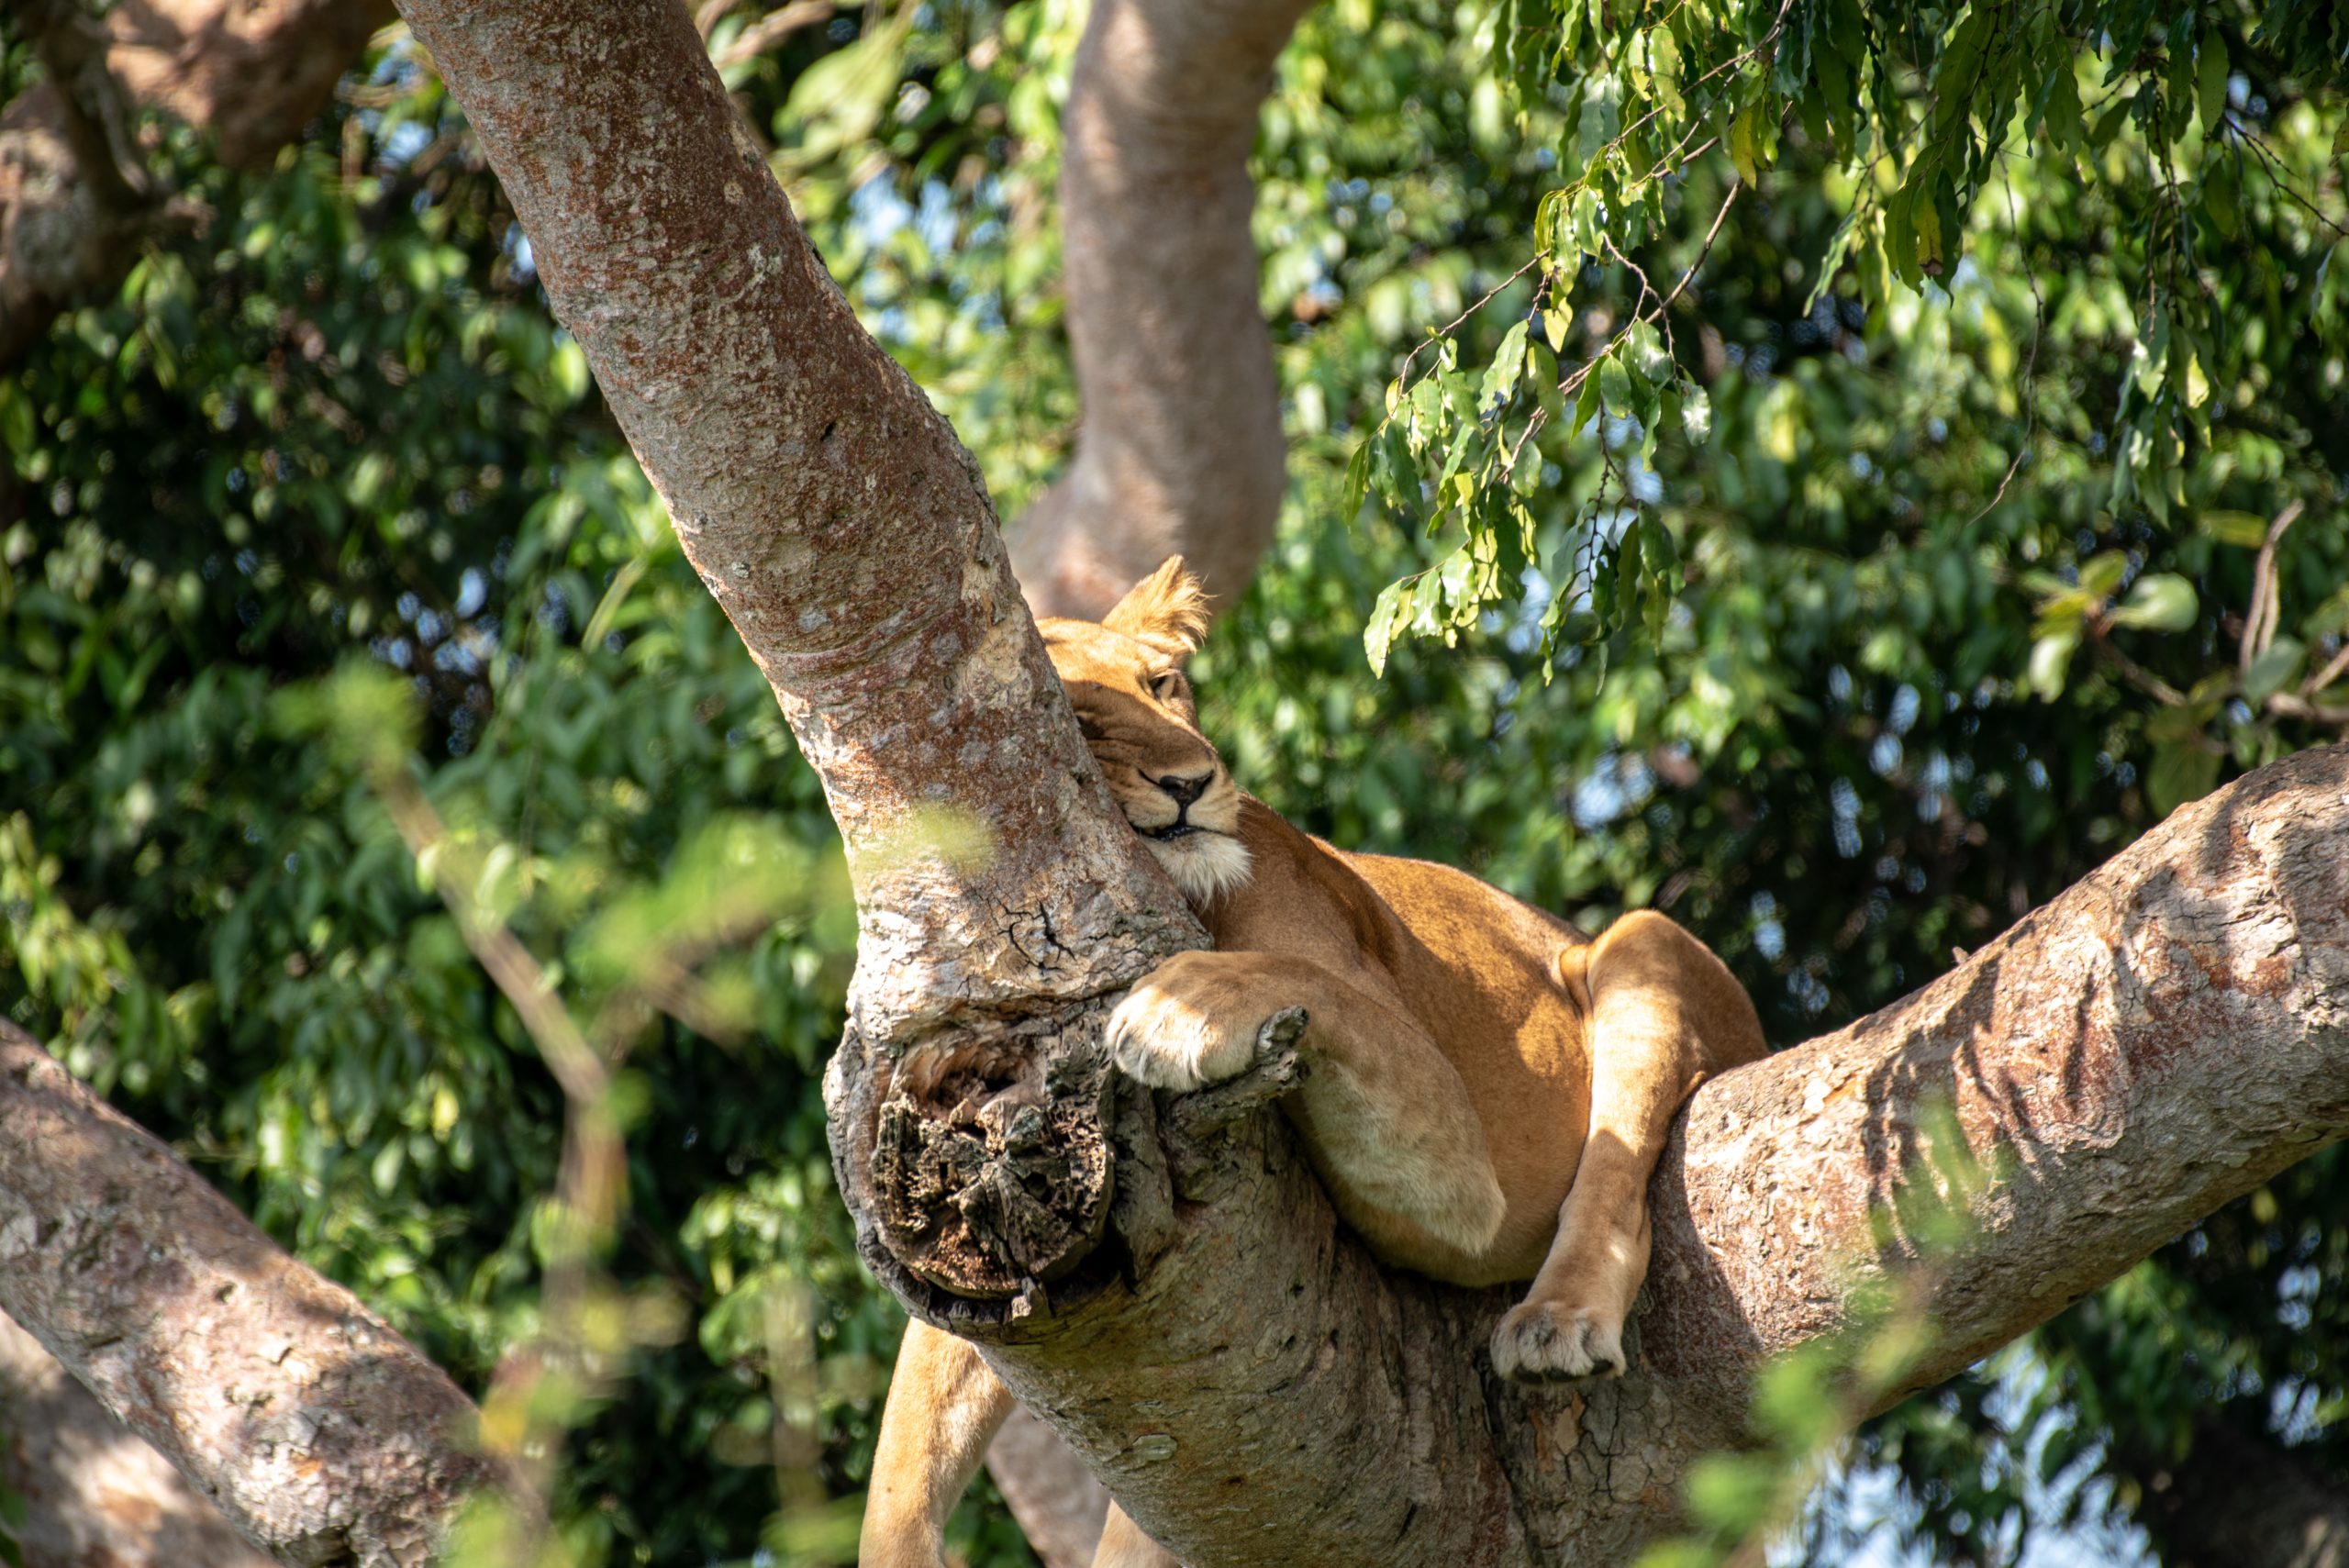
<point>1166,1283</point>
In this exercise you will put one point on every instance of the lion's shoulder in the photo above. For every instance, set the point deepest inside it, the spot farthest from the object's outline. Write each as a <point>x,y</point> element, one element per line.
<point>1410,920</point>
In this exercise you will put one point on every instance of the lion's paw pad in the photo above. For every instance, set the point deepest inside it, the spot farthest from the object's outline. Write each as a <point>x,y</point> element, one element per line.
<point>1541,1342</point>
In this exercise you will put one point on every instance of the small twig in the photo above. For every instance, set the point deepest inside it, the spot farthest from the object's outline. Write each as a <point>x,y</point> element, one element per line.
<point>2259,618</point>
<point>2029,363</point>
<point>1449,327</point>
<point>774,28</point>
<point>1571,384</point>
<point>2291,706</point>
<point>1541,417</point>
<point>2326,677</point>
<point>2136,674</point>
<point>2278,173</point>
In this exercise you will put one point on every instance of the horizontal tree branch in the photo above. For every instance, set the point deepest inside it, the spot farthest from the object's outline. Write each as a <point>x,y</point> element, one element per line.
<point>323,1436</point>
<point>2160,1040</point>
<point>95,1493</point>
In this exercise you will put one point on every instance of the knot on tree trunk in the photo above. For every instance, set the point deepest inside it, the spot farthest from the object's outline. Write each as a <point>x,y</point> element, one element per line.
<point>992,1169</point>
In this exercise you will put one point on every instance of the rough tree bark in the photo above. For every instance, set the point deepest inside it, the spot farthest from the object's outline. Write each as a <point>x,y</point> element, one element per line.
<point>95,1492</point>
<point>322,1435</point>
<point>74,205</point>
<point>1181,446</point>
<point>1165,1282</point>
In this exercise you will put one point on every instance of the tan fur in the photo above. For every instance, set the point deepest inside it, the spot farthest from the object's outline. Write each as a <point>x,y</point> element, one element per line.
<point>1488,1088</point>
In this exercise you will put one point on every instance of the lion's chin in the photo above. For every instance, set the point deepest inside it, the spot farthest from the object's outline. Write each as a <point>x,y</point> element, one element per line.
<point>1203,863</point>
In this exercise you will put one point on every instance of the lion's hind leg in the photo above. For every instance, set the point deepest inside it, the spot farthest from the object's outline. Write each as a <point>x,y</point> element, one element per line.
<point>1123,1545</point>
<point>945,1406</point>
<point>1665,1014</point>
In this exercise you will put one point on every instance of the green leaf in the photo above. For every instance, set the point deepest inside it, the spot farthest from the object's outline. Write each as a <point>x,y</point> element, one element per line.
<point>1731,1493</point>
<point>1615,383</point>
<point>1586,403</point>
<point>1754,138</point>
<point>2061,113</point>
<point>2101,574</point>
<point>2245,528</point>
<point>1387,615</point>
<point>2159,601</point>
<point>2220,197</point>
<point>2211,78</point>
<point>2181,773</point>
<point>1501,377</point>
<point>2273,669</point>
<point>1357,485</point>
<point>2051,663</point>
<point>1696,412</point>
<point>1900,235</point>
<point>1645,351</point>
<point>1556,322</point>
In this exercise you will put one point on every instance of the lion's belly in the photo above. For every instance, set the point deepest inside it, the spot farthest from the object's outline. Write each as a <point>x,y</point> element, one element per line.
<point>1523,1058</point>
<point>1483,983</point>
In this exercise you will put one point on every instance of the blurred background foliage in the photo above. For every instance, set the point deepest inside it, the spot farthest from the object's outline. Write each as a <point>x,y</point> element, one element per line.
<point>1909,595</point>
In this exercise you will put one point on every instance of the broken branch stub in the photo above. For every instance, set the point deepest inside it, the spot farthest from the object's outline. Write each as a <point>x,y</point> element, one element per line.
<point>988,1191</point>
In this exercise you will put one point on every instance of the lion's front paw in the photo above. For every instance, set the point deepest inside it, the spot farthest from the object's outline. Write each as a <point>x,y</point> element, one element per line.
<point>1548,1342</point>
<point>1185,1026</point>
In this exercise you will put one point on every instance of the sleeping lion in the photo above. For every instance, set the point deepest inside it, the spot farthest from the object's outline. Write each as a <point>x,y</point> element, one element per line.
<point>1487,1088</point>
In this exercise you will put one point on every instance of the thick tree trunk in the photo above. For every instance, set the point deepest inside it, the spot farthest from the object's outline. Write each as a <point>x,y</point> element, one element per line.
<point>95,1492</point>
<point>322,1434</point>
<point>251,74</point>
<point>1181,447</point>
<point>1166,1283</point>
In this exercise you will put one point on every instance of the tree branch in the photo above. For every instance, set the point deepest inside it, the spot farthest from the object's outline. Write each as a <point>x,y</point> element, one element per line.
<point>320,1433</point>
<point>2160,1040</point>
<point>73,210</point>
<point>1181,448</point>
<point>95,1492</point>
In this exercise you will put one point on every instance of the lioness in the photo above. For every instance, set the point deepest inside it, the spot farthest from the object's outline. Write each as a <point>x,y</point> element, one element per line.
<point>1487,1088</point>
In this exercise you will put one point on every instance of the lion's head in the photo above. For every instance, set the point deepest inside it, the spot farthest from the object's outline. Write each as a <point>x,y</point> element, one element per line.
<point>1125,679</point>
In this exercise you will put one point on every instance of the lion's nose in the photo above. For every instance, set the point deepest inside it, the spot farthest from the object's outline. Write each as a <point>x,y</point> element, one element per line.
<point>1182,791</point>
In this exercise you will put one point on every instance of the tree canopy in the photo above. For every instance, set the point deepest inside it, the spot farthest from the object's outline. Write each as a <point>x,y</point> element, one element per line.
<point>1835,472</point>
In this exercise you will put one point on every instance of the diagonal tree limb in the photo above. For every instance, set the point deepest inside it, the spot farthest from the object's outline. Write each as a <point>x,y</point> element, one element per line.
<point>323,1436</point>
<point>95,1492</point>
<point>1181,445</point>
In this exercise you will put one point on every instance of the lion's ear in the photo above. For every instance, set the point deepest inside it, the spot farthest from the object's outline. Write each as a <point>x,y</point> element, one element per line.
<point>1166,611</point>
